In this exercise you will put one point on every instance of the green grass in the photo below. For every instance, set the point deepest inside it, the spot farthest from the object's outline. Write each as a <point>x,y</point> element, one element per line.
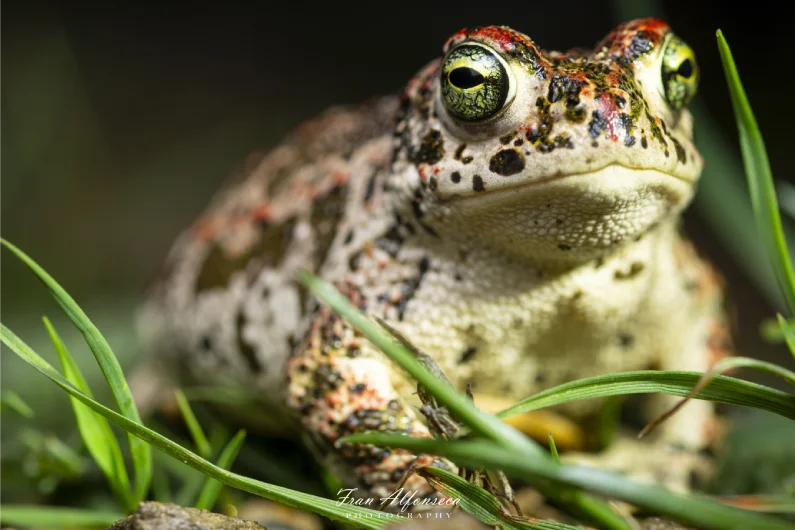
<point>495,445</point>
<point>95,430</point>
<point>722,389</point>
<point>760,179</point>
<point>202,443</point>
<point>212,488</point>
<point>10,400</point>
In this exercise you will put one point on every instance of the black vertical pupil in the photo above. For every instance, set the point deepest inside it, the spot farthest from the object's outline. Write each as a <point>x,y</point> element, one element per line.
<point>685,68</point>
<point>466,77</point>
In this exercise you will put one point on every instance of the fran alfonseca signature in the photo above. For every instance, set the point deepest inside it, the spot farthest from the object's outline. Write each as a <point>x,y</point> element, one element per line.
<point>399,497</point>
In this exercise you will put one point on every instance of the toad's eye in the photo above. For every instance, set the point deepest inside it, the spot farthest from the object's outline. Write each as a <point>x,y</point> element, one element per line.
<point>679,72</point>
<point>476,82</point>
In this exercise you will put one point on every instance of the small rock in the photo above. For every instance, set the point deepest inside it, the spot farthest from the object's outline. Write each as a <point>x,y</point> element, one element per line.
<point>164,516</point>
<point>277,516</point>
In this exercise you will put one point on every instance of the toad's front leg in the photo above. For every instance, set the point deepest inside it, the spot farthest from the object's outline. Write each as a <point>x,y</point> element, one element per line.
<point>337,388</point>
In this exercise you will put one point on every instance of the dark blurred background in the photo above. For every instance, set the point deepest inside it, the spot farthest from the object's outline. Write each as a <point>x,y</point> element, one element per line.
<point>120,119</point>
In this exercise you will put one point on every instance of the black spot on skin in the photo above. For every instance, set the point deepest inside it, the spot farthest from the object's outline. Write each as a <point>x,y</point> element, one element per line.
<point>246,351</point>
<point>564,247</point>
<point>391,241</point>
<point>353,262</point>
<point>597,125</point>
<point>634,269</point>
<point>455,176</point>
<point>467,354</point>
<point>641,44</point>
<point>358,388</point>
<point>431,150</point>
<point>410,286</point>
<point>518,142</point>
<point>348,237</point>
<point>576,114</point>
<point>370,191</point>
<point>477,183</point>
<point>432,184</point>
<point>207,343</point>
<point>548,145</point>
<point>428,230</point>
<point>459,151</point>
<point>625,122</point>
<point>458,277</point>
<point>466,160</point>
<point>680,151</point>
<point>626,340</point>
<point>326,214</point>
<point>416,205</point>
<point>506,163</point>
<point>644,143</point>
<point>694,480</point>
<point>564,87</point>
<point>506,139</point>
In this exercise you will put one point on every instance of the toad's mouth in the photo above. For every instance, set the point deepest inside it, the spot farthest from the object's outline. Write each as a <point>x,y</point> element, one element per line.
<point>607,177</point>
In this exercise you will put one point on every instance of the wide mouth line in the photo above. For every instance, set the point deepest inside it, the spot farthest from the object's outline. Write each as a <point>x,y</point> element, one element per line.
<point>534,182</point>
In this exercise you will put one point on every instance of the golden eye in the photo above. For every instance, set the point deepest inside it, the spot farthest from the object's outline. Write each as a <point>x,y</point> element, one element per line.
<point>679,72</point>
<point>475,82</point>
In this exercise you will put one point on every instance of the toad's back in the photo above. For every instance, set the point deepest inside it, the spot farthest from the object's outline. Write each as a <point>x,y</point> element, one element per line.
<point>226,305</point>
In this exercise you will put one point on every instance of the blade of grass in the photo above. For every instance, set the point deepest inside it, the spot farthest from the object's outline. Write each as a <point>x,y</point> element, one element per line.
<point>761,503</point>
<point>721,389</point>
<point>94,429</point>
<point>692,510</point>
<point>553,449</point>
<point>55,516</point>
<point>58,458</point>
<point>202,444</point>
<point>788,332</point>
<point>347,513</point>
<point>480,503</point>
<point>11,400</point>
<point>141,452</point>
<point>723,366</point>
<point>485,425</point>
<point>760,179</point>
<point>212,488</point>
